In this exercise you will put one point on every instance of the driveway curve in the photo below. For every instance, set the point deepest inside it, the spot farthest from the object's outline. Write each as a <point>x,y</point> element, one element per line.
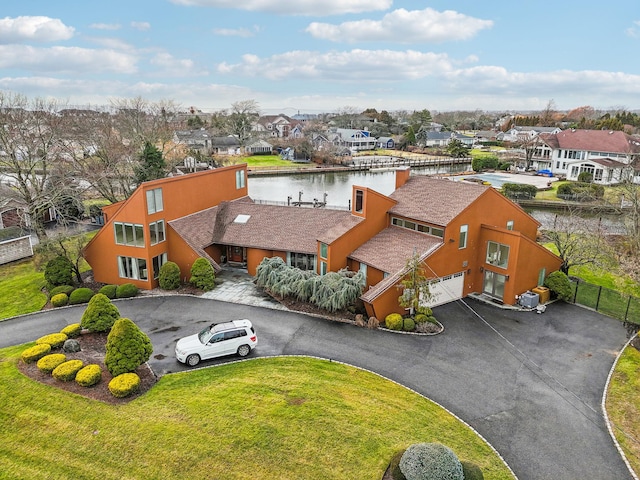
<point>530,384</point>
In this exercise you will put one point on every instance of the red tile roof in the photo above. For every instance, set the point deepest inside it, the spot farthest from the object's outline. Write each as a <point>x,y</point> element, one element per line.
<point>434,200</point>
<point>390,249</point>
<point>593,140</point>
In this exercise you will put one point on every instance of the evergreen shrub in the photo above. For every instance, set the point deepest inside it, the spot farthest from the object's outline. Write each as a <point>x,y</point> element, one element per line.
<point>109,291</point>
<point>35,353</point>
<point>56,340</point>
<point>393,321</point>
<point>67,289</point>
<point>409,325</point>
<point>49,362</point>
<point>559,284</point>
<point>58,271</point>
<point>67,371</point>
<point>203,276</point>
<point>89,375</point>
<point>59,300</point>
<point>169,278</point>
<point>72,330</point>
<point>80,295</point>
<point>126,290</point>
<point>100,314</point>
<point>128,347</point>
<point>124,385</point>
<point>420,318</point>
<point>430,461</point>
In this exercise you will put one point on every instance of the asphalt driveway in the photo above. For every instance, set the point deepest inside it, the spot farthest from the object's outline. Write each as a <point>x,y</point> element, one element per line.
<point>530,384</point>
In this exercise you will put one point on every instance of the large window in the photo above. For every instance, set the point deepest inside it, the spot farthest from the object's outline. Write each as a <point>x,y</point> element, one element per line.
<point>134,268</point>
<point>154,201</point>
<point>129,234</point>
<point>464,229</point>
<point>498,254</point>
<point>157,262</point>
<point>240,181</point>
<point>359,201</point>
<point>435,231</point>
<point>156,232</point>
<point>303,261</point>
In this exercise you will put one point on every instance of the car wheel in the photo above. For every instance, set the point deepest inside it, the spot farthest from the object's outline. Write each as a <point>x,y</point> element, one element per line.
<point>193,360</point>
<point>243,350</point>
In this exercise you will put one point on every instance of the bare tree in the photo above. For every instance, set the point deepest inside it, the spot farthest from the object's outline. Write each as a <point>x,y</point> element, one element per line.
<point>241,119</point>
<point>30,149</point>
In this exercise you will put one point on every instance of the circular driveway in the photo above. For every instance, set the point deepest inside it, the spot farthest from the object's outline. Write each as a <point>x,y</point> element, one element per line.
<point>530,384</point>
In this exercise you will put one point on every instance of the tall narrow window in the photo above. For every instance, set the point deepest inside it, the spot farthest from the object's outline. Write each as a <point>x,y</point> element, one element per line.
<point>541,274</point>
<point>157,262</point>
<point>240,182</point>
<point>156,232</point>
<point>463,236</point>
<point>324,249</point>
<point>359,201</point>
<point>154,201</point>
<point>323,268</point>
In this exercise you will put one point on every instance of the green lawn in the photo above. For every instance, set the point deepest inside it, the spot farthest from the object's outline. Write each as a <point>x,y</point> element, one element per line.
<point>281,418</point>
<point>20,289</point>
<point>623,405</point>
<point>269,161</point>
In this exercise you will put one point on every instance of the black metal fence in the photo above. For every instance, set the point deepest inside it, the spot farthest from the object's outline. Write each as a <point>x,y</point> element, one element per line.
<point>607,301</point>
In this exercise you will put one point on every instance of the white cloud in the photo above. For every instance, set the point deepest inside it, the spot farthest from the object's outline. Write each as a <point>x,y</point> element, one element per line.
<point>105,26</point>
<point>295,7</point>
<point>634,31</point>
<point>175,67</point>
<point>33,29</point>
<point>236,32</point>
<point>142,26</point>
<point>404,26</point>
<point>65,59</point>
<point>112,43</point>
<point>355,65</point>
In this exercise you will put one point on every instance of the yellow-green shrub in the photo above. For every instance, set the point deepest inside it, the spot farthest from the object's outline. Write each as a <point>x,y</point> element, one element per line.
<point>48,363</point>
<point>89,375</point>
<point>67,371</point>
<point>72,330</point>
<point>124,384</point>
<point>56,340</point>
<point>35,353</point>
<point>60,300</point>
<point>393,321</point>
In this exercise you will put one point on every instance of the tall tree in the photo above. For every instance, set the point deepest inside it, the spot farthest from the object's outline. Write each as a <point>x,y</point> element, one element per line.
<point>242,118</point>
<point>457,149</point>
<point>151,166</point>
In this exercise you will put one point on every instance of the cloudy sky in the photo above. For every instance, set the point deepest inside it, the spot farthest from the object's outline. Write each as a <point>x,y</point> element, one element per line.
<point>326,55</point>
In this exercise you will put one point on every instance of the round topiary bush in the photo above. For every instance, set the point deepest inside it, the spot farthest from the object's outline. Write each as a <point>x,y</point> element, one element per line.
<point>35,353</point>
<point>100,314</point>
<point>128,347</point>
<point>169,278</point>
<point>89,375</point>
<point>126,290</point>
<point>49,362</point>
<point>60,300</point>
<point>56,340</point>
<point>203,276</point>
<point>471,471</point>
<point>420,318</point>
<point>67,371</point>
<point>409,325</point>
<point>559,284</point>
<point>72,330</point>
<point>58,271</point>
<point>67,289</point>
<point>109,291</point>
<point>80,295</point>
<point>430,461</point>
<point>124,385</point>
<point>393,321</point>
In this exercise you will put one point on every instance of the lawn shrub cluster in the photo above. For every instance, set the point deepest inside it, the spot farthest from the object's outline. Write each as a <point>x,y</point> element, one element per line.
<point>100,314</point>
<point>80,295</point>
<point>422,322</point>
<point>393,321</point>
<point>518,190</point>
<point>56,340</point>
<point>60,300</point>
<point>126,290</point>
<point>72,330</point>
<point>169,278</point>
<point>203,276</point>
<point>488,162</point>
<point>35,353</point>
<point>58,271</point>
<point>559,284</point>
<point>109,291</point>
<point>334,291</point>
<point>409,325</point>
<point>124,385</point>
<point>430,461</point>
<point>89,375</point>
<point>48,363</point>
<point>580,191</point>
<point>67,371</point>
<point>128,347</point>
<point>66,289</point>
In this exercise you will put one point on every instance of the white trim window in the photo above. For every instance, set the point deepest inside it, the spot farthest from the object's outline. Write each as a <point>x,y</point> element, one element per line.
<point>497,254</point>
<point>156,232</point>
<point>133,268</point>
<point>157,262</point>
<point>240,179</point>
<point>131,234</point>
<point>464,229</point>
<point>154,201</point>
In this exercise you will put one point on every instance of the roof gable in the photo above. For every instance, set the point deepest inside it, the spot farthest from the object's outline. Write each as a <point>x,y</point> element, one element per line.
<point>605,141</point>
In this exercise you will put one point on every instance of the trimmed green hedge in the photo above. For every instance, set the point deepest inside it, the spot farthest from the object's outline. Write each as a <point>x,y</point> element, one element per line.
<point>66,289</point>
<point>124,384</point>
<point>48,363</point>
<point>35,353</point>
<point>67,371</point>
<point>100,314</point>
<point>56,340</point>
<point>169,278</point>
<point>393,321</point>
<point>126,290</point>
<point>60,300</point>
<point>80,295</point>
<point>89,375</point>
<point>203,276</point>
<point>409,325</point>
<point>518,190</point>
<point>109,291</point>
<point>72,330</point>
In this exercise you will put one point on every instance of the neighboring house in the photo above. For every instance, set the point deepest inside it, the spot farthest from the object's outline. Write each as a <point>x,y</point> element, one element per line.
<point>198,140</point>
<point>385,142</point>
<point>228,145</point>
<point>276,126</point>
<point>525,133</point>
<point>609,156</point>
<point>353,139</point>
<point>258,147</point>
<point>483,136</point>
<point>476,241</point>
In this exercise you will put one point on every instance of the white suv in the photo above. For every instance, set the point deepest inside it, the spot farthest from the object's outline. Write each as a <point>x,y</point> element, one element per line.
<point>217,340</point>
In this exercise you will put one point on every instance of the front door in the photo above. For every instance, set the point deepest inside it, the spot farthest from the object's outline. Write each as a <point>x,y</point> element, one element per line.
<point>236,254</point>
<point>494,284</point>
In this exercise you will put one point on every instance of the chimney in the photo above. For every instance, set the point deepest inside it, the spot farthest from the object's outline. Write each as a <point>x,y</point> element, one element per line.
<point>402,175</point>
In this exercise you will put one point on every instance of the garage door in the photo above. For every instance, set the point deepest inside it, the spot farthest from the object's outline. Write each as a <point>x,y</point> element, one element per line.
<point>446,289</point>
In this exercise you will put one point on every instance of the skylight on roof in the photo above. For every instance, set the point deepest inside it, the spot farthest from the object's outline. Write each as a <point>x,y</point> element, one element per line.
<point>242,218</point>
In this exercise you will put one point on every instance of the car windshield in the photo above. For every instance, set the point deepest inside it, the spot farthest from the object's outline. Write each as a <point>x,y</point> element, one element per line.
<point>205,335</point>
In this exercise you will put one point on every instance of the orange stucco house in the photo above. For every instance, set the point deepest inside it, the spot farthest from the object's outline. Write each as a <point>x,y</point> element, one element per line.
<point>469,237</point>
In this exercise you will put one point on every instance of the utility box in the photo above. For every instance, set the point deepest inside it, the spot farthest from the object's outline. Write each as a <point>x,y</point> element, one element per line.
<point>529,299</point>
<point>544,293</point>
